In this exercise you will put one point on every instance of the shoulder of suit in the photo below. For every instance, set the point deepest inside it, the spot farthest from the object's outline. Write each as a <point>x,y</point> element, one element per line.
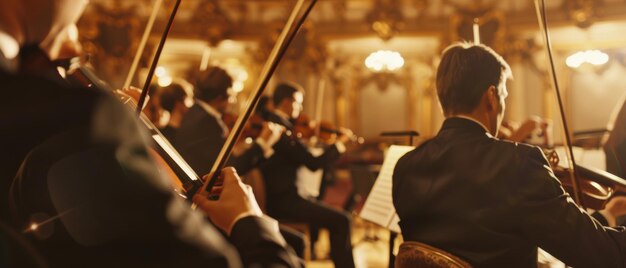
<point>519,149</point>
<point>406,159</point>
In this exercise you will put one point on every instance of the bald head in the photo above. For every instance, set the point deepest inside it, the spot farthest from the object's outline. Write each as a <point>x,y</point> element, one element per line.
<point>38,21</point>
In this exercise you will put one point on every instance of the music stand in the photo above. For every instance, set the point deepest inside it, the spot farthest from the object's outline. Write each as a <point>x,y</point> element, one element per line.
<point>379,207</point>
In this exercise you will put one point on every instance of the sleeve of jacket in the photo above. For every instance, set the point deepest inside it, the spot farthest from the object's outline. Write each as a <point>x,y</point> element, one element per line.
<point>119,203</point>
<point>293,150</point>
<point>549,217</point>
<point>200,143</point>
<point>260,243</point>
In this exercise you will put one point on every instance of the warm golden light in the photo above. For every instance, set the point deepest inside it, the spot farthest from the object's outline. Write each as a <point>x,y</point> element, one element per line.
<point>384,60</point>
<point>164,81</point>
<point>594,57</point>
<point>160,71</point>
<point>238,72</point>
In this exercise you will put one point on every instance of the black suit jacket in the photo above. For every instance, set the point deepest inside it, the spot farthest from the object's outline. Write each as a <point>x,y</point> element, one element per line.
<point>122,213</point>
<point>280,171</point>
<point>200,138</point>
<point>493,202</point>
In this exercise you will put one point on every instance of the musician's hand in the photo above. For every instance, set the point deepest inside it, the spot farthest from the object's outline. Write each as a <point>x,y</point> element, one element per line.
<point>271,132</point>
<point>236,201</point>
<point>346,135</point>
<point>132,93</point>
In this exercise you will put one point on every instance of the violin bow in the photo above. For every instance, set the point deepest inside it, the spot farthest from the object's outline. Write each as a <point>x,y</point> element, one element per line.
<point>142,44</point>
<point>284,40</point>
<point>155,60</point>
<point>540,7</point>
<point>318,105</point>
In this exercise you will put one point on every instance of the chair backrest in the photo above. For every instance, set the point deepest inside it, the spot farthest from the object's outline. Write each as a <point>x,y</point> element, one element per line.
<point>419,255</point>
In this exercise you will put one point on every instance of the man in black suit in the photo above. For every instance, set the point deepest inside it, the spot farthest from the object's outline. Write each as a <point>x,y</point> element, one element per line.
<point>490,201</point>
<point>280,172</point>
<point>86,180</point>
<point>202,132</point>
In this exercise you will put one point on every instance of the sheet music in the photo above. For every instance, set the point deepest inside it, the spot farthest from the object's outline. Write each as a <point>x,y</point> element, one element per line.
<point>378,207</point>
<point>393,225</point>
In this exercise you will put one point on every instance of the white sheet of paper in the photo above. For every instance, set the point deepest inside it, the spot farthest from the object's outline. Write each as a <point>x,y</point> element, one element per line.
<point>378,207</point>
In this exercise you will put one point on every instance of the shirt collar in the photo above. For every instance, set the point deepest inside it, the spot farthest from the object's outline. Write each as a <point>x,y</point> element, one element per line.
<point>282,115</point>
<point>217,115</point>
<point>474,120</point>
<point>212,111</point>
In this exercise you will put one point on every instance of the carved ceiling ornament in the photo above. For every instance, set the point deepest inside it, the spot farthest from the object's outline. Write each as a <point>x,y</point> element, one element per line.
<point>211,22</point>
<point>315,50</point>
<point>111,35</point>
<point>520,48</point>
<point>382,80</point>
<point>385,19</point>
<point>268,39</point>
<point>582,12</point>
<point>492,25</point>
<point>307,50</point>
<point>340,8</point>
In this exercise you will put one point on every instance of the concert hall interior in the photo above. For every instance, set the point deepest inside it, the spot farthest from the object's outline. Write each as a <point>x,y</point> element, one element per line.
<point>313,102</point>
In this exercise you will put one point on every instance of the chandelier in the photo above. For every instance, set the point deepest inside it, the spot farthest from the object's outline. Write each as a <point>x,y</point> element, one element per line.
<point>384,61</point>
<point>594,57</point>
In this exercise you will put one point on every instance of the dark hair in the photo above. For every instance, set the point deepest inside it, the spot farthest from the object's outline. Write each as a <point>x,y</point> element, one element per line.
<point>261,107</point>
<point>170,95</point>
<point>466,71</point>
<point>284,91</point>
<point>212,84</point>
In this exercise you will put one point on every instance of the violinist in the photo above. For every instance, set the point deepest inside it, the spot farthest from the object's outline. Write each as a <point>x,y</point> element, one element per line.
<point>280,173</point>
<point>202,131</point>
<point>488,201</point>
<point>312,184</point>
<point>87,194</point>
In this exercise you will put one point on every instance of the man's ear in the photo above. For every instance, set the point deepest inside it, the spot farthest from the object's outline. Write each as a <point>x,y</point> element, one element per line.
<point>492,98</point>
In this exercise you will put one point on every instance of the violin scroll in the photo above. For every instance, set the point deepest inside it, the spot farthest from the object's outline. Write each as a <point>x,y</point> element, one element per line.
<point>593,194</point>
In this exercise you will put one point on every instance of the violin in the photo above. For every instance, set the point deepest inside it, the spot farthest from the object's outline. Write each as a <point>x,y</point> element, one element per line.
<point>324,131</point>
<point>329,132</point>
<point>181,174</point>
<point>594,195</point>
<point>589,187</point>
<point>304,127</point>
<point>252,128</point>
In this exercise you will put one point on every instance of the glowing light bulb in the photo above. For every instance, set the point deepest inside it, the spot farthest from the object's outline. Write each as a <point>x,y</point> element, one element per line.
<point>594,57</point>
<point>164,81</point>
<point>160,71</point>
<point>384,60</point>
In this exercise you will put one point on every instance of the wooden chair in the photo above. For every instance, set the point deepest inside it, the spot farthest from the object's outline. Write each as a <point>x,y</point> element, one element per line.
<point>419,255</point>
